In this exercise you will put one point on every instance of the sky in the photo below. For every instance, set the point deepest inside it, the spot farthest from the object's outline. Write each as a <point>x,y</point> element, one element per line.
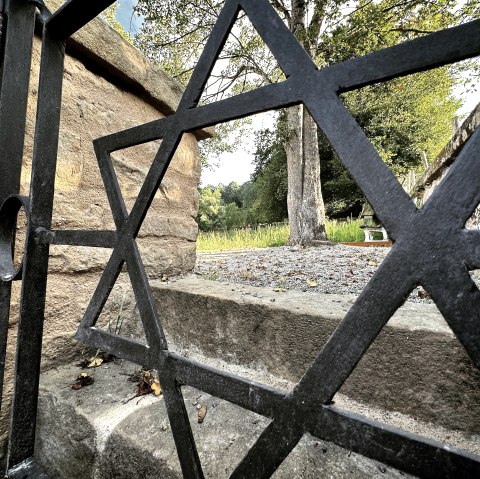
<point>130,22</point>
<point>238,166</point>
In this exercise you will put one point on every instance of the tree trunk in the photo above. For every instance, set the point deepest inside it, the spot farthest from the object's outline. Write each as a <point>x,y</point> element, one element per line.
<point>306,210</point>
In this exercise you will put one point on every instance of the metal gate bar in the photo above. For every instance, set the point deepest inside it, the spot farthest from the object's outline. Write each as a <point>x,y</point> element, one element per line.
<point>20,22</point>
<point>16,53</point>
<point>34,281</point>
<point>436,231</point>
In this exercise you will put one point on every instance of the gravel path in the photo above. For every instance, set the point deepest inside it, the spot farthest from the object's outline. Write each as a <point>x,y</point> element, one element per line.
<point>329,268</point>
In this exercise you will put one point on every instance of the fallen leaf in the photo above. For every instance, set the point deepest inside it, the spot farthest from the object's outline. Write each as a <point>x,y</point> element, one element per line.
<point>372,263</point>
<point>165,277</point>
<point>148,384</point>
<point>280,290</point>
<point>143,388</point>
<point>103,357</point>
<point>312,283</point>
<point>94,362</point>
<point>83,380</point>
<point>202,412</point>
<point>83,363</point>
<point>156,388</point>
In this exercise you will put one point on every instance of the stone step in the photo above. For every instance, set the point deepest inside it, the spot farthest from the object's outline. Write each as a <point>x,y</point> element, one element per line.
<point>416,366</point>
<point>103,431</point>
<point>416,377</point>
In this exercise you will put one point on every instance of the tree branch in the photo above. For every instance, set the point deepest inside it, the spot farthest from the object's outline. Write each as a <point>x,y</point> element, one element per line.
<point>313,30</point>
<point>278,4</point>
<point>251,60</point>
<point>410,30</point>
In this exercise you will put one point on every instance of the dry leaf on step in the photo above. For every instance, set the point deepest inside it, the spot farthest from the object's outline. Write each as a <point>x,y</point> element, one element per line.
<point>156,388</point>
<point>202,412</point>
<point>83,380</point>
<point>94,362</point>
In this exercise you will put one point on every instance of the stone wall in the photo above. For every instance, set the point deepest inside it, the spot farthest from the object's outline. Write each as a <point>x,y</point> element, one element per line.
<point>441,165</point>
<point>108,87</point>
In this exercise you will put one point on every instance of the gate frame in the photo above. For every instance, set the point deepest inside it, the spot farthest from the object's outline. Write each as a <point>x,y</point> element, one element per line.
<point>439,253</point>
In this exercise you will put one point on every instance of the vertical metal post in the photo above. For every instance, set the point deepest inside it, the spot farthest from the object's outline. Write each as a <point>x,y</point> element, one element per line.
<point>35,266</point>
<point>18,23</point>
<point>20,16</point>
<point>18,19</point>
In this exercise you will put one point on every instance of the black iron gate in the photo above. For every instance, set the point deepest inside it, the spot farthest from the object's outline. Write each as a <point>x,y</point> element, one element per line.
<point>431,248</point>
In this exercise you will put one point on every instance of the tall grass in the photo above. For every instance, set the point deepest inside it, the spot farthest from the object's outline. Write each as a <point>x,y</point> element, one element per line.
<point>344,231</point>
<point>271,236</point>
<point>263,237</point>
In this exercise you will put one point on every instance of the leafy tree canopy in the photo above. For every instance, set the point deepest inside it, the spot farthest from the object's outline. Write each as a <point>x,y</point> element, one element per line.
<point>174,34</point>
<point>402,118</point>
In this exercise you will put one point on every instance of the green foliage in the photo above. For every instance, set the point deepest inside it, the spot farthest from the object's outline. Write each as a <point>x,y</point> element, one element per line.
<point>272,236</point>
<point>270,177</point>
<point>232,194</point>
<point>166,24</point>
<point>222,207</point>
<point>344,231</point>
<point>407,115</point>
<point>232,216</point>
<point>175,31</point>
<point>260,237</point>
<point>402,117</point>
<point>341,194</point>
<point>237,206</point>
<point>174,34</point>
<point>210,208</point>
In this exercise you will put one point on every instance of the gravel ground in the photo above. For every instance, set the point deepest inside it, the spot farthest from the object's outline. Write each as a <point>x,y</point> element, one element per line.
<point>329,268</point>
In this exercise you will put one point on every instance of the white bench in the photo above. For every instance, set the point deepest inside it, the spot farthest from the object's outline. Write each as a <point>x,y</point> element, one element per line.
<point>369,230</point>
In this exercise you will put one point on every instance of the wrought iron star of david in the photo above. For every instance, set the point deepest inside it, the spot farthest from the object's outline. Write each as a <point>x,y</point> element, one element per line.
<point>431,248</point>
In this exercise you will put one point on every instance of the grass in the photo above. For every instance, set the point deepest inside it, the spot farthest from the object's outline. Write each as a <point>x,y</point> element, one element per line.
<point>263,237</point>
<point>344,231</point>
<point>271,236</point>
